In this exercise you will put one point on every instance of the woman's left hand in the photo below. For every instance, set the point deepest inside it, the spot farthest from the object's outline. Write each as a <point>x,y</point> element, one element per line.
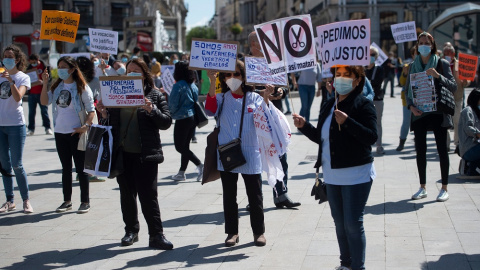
<point>6,75</point>
<point>148,105</point>
<point>340,116</point>
<point>432,72</point>
<point>80,130</point>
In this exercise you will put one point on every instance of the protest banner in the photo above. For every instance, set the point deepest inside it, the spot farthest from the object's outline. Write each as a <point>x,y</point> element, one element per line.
<point>382,57</point>
<point>258,73</point>
<point>404,32</point>
<point>122,91</point>
<point>288,44</point>
<point>326,73</point>
<point>467,66</point>
<point>167,81</point>
<point>103,41</point>
<point>76,55</point>
<point>165,67</point>
<point>213,54</point>
<point>423,88</point>
<point>59,25</point>
<point>344,43</point>
<point>33,74</point>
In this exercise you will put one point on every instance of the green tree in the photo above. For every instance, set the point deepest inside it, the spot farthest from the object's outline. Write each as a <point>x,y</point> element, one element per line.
<point>200,32</point>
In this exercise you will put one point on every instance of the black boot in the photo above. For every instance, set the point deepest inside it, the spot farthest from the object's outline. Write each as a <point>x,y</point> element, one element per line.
<point>401,145</point>
<point>160,242</point>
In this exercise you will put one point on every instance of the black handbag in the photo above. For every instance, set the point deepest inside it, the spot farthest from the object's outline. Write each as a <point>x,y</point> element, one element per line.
<point>200,116</point>
<point>445,99</point>
<point>319,189</point>
<point>117,155</point>
<point>230,153</point>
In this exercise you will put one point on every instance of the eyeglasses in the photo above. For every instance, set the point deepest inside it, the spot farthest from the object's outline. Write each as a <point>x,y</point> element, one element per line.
<point>236,74</point>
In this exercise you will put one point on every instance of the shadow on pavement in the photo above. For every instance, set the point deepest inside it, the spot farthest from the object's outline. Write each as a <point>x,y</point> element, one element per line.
<point>452,261</point>
<point>10,218</point>
<point>42,173</point>
<point>403,206</point>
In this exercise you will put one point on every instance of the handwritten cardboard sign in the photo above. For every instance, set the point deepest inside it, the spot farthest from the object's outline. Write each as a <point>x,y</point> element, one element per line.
<point>103,41</point>
<point>467,66</point>
<point>344,43</point>
<point>423,89</point>
<point>382,57</point>
<point>258,73</point>
<point>213,54</point>
<point>288,44</point>
<point>59,25</point>
<point>122,91</point>
<point>404,32</point>
<point>167,81</point>
<point>165,67</point>
<point>33,74</point>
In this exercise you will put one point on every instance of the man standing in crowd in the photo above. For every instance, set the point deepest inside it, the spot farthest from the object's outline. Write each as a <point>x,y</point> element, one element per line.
<point>34,97</point>
<point>389,72</point>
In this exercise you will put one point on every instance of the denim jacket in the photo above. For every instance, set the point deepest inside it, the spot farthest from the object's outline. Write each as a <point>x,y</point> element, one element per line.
<point>181,100</point>
<point>87,99</point>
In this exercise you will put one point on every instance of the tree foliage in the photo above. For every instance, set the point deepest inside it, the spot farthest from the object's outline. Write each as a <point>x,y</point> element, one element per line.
<point>200,32</point>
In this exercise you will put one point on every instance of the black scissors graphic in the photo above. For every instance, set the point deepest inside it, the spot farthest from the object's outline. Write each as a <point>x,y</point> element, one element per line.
<point>297,43</point>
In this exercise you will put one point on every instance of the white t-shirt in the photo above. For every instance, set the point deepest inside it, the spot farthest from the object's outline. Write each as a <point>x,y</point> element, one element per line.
<point>11,111</point>
<point>67,117</point>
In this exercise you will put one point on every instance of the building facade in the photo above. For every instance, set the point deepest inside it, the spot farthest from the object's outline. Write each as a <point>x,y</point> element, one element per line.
<point>20,22</point>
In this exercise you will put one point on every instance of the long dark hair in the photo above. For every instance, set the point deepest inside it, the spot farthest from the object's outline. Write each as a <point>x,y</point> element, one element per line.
<point>245,88</point>
<point>77,75</point>
<point>19,55</point>
<point>359,72</point>
<point>473,99</point>
<point>147,77</point>
<point>87,68</point>
<point>183,73</point>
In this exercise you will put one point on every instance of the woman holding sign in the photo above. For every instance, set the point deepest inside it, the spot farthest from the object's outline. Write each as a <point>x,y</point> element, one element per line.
<point>437,121</point>
<point>136,138</point>
<point>70,97</point>
<point>346,129</point>
<point>13,85</point>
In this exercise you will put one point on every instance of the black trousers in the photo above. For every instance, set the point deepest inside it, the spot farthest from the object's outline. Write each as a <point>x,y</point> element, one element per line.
<point>67,148</point>
<point>139,178</point>
<point>420,128</point>
<point>182,136</point>
<point>253,185</point>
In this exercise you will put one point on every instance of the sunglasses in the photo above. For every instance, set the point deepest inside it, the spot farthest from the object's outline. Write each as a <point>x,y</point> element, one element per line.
<point>228,75</point>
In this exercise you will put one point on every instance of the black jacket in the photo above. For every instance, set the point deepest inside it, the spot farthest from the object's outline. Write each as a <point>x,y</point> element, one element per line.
<point>377,81</point>
<point>149,124</point>
<point>350,146</point>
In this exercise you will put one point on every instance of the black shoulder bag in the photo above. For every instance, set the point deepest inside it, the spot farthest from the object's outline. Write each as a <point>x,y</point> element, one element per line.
<point>445,99</point>
<point>230,153</point>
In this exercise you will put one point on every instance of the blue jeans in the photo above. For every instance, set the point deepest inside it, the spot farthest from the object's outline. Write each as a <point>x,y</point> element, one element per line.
<point>347,205</point>
<point>307,93</point>
<point>405,123</point>
<point>33,100</point>
<point>12,141</point>
<point>473,156</point>
<point>287,102</point>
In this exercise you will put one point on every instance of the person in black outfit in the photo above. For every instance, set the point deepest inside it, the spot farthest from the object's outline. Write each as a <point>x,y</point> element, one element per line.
<point>389,70</point>
<point>375,74</point>
<point>136,133</point>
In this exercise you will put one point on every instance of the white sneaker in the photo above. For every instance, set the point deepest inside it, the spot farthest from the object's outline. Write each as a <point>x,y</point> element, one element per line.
<point>30,133</point>
<point>7,207</point>
<point>48,131</point>
<point>179,177</point>
<point>442,196</point>
<point>421,193</point>
<point>27,207</point>
<point>200,172</point>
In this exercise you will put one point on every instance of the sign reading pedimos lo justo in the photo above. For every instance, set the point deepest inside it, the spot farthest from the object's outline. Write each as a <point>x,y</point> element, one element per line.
<point>344,43</point>
<point>213,54</point>
<point>59,25</point>
<point>288,44</point>
<point>122,91</point>
<point>103,41</point>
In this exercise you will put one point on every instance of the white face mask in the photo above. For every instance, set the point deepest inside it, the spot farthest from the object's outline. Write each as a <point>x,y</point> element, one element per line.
<point>233,83</point>
<point>448,58</point>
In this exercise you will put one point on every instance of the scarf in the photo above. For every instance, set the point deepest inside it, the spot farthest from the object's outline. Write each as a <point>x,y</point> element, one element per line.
<point>417,67</point>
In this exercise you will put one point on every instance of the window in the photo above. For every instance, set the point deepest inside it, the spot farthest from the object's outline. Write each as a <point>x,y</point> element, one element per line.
<point>358,15</point>
<point>387,18</point>
<point>120,11</point>
<point>85,9</point>
<point>248,13</point>
<point>53,4</point>
<point>21,11</point>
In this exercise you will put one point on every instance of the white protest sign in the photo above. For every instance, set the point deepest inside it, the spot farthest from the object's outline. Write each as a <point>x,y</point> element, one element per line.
<point>344,43</point>
<point>213,54</point>
<point>167,81</point>
<point>382,57</point>
<point>326,73</point>
<point>33,74</point>
<point>76,55</point>
<point>103,41</point>
<point>404,32</point>
<point>423,89</point>
<point>288,43</point>
<point>165,67</point>
<point>257,72</point>
<point>122,91</point>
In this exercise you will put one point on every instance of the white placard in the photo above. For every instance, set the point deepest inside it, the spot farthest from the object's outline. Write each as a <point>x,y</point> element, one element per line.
<point>165,67</point>
<point>404,32</point>
<point>258,73</point>
<point>326,73</point>
<point>344,43</point>
<point>103,41</point>
<point>167,81</point>
<point>382,57</point>
<point>213,54</point>
<point>76,55</point>
<point>33,74</point>
<point>423,89</point>
<point>122,91</point>
<point>288,43</point>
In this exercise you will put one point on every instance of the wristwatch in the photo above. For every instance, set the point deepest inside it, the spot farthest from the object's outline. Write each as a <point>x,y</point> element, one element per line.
<point>88,126</point>
<point>12,82</point>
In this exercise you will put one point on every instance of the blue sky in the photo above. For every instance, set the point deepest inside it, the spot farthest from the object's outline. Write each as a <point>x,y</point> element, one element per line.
<point>199,12</point>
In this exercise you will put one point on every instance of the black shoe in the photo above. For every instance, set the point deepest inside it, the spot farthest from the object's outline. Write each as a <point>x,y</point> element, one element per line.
<point>247,207</point>
<point>160,242</point>
<point>287,113</point>
<point>129,239</point>
<point>288,204</point>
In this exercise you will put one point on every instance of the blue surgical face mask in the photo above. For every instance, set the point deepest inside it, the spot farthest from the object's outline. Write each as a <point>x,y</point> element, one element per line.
<point>343,85</point>
<point>134,74</point>
<point>34,65</point>
<point>9,63</point>
<point>124,59</point>
<point>121,70</point>
<point>175,61</point>
<point>372,59</point>
<point>424,50</point>
<point>448,58</point>
<point>63,73</point>
<point>96,63</point>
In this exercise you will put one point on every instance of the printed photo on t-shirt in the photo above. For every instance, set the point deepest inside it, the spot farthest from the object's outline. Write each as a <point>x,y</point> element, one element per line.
<point>64,99</point>
<point>5,91</point>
